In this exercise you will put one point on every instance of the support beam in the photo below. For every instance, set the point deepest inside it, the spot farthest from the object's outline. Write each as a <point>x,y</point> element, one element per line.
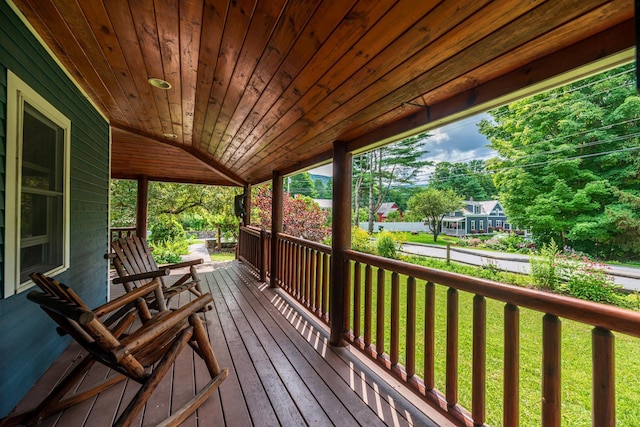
<point>142,206</point>
<point>247,205</point>
<point>276,225</point>
<point>340,241</point>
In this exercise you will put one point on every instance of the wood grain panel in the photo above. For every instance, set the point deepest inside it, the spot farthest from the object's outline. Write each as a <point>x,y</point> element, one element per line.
<point>261,85</point>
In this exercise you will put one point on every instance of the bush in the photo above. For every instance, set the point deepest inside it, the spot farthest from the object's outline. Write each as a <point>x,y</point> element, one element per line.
<point>167,252</point>
<point>545,270</point>
<point>386,245</point>
<point>361,241</point>
<point>167,228</point>
<point>590,281</point>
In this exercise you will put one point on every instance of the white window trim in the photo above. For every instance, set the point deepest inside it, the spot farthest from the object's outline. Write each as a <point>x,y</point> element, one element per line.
<point>18,93</point>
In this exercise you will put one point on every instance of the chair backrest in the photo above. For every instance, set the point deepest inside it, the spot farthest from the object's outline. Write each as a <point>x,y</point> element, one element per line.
<point>133,256</point>
<point>74,317</point>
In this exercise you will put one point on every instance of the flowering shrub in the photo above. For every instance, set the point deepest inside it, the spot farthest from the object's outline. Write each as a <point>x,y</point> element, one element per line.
<point>386,245</point>
<point>301,216</point>
<point>577,276</point>
<point>361,241</point>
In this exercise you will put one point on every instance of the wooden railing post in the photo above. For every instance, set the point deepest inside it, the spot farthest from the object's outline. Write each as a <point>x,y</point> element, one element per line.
<point>142,206</point>
<point>340,241</point>
<point>276,225</point>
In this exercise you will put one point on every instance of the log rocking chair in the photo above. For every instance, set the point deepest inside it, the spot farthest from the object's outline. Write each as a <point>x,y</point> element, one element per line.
<point>144,355</point>
<point>134,263</point>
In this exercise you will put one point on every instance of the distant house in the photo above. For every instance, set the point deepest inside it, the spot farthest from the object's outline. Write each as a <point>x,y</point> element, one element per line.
<point>325,204</point>
<point>385,209</point>
<point>476,218</point>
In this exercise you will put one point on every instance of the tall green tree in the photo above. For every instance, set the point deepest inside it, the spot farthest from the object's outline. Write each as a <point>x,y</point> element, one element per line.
<point>569,163</point>
<point>377,171</point>
<point>433,205</point>
<point>469,179</point>
<point>301,183</point>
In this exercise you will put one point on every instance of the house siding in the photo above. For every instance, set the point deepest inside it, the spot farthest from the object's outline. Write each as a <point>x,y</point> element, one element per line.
<point>30,343</point>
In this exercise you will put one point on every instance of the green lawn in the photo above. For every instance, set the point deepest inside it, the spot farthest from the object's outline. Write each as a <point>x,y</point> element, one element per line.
<point>428,238</point>
<point>576,359</point>
<point>223,256</point>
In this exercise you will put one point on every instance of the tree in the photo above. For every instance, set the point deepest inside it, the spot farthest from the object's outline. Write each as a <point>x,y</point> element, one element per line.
<point>568,165</point>
<point>301,216</point>
<point>301,183</point>
<point>378,170</point>
<point>469,179</point>
<point>175,200</point>
<point>433,205</point>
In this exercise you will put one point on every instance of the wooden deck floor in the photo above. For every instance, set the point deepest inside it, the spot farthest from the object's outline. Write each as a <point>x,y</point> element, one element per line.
<point>282,371</point>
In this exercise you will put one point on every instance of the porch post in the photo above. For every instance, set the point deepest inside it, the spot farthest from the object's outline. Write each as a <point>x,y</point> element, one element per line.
<point>142,206</point>
<point>276,225</point>
<point>340,240</point>
<point>247,205</point>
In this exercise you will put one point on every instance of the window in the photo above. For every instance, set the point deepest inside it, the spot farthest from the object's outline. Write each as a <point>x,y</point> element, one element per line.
<point>498,223</point>
<point>473,224</point>
<point>37,187</point>
<point>481,224</point>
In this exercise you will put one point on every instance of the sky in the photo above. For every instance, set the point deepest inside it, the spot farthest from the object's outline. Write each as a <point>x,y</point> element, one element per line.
<point>454,143</point>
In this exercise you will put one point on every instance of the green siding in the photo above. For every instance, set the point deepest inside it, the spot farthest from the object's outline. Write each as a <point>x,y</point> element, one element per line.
<point>29,343</point>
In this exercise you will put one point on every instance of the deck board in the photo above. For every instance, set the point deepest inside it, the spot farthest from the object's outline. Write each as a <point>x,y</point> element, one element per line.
<point>281,370</point>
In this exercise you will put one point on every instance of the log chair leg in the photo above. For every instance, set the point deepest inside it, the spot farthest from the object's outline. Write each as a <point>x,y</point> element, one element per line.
<point>206,352</point>
<point>141,397</point>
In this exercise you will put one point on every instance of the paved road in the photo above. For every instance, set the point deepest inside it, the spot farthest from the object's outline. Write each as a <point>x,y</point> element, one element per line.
<point>627,277</point>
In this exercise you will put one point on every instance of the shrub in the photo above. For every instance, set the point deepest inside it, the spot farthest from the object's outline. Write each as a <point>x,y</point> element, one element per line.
<point>361,241</point>
<point>386,245</point>
<point>590,281</point>
<point>167,252</point>
<point>167,228</point>
<point>544,268</point>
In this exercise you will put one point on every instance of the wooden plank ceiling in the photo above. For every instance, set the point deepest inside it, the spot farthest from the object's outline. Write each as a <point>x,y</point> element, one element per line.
<point>263,85</point>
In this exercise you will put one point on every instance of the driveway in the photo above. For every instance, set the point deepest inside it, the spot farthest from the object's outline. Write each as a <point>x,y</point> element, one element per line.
<point>627,277</point>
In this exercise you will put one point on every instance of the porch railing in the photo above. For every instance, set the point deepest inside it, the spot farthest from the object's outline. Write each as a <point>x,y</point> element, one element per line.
<point>377,314</point>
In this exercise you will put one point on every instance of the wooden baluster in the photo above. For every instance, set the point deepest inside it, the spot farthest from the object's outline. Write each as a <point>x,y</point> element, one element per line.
<point>511,397</point>
<point>429,335</point>
<point>368,302</point>
<point>346,265</point>
<point>357,278</point>
<point>307,277</point>
<point>315,269</point>
<point>297,268</point>
<point>380,313</point>
<point>325,286</point>
<point>452,347</point>
<point>411,327</point>
<point>603,393</point>
<point>551,333</point>
<point>395,318</point>
<point>479,372</point>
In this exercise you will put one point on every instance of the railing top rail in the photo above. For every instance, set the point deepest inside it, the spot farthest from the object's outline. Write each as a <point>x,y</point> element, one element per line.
<point>250,229</point>
<point>602,315</point>
<point>303,242</point>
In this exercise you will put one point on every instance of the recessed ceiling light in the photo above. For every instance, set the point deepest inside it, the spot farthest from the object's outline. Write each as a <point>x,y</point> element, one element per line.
<point>170,135</point>
<point>159,83</point>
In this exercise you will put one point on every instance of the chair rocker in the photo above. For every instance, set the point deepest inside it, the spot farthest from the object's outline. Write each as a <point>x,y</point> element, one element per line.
<point>136,267</point>
<point>144,355</point>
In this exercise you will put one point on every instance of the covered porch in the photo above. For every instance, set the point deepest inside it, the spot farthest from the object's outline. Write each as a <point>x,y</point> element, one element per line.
<point>282,369</point>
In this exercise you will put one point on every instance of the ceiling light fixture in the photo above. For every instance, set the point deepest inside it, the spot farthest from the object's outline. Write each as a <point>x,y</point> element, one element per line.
<point>170,135</point>
<point>159,83</point>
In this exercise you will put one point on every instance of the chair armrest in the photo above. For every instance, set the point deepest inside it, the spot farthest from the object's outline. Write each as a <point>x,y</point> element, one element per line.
<point>141,276</point>
<point>183,264</point>
<point>129,297</point>
<point>158,326</point>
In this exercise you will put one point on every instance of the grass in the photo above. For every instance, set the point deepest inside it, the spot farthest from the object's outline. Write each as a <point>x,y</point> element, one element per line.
<point>428,238</point>
<point>223,256</point>
<point>576,359</point>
